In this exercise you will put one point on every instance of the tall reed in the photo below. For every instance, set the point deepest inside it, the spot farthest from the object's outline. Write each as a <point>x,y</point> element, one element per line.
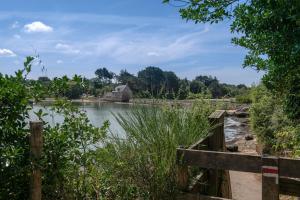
<point>148,152</point>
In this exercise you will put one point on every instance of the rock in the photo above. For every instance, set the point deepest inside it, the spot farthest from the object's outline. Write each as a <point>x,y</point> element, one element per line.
<point>248,137</point>
<point>232,148</point>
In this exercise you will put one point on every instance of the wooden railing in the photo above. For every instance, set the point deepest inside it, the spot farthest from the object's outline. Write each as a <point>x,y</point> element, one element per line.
<point>278,174</point>
<point>212,181</point>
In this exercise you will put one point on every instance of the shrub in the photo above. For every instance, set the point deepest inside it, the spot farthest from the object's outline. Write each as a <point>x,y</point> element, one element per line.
<point>244,98</point>
<point>270,123</point>
<point>15,98</point>
<point>68,152</point>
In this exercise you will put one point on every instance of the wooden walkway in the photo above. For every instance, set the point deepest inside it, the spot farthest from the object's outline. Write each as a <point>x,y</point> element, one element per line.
<point>245,186</point>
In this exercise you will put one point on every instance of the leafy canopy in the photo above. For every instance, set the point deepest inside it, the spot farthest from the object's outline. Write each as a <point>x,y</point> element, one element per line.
<point>269,29</point>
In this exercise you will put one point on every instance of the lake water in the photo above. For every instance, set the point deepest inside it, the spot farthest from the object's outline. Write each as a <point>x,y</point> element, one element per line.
<point>100,112</point>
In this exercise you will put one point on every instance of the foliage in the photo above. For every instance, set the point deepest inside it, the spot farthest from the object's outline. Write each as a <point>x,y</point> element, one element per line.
<point>171,82</point>
<point>126,78</point>
<point>104,75</point>
<point>152,83</point>
<point>288,138</point>
<point>269,30</point>
<point>147,156</point>
<point>244,98</point>
<point>152,79</point>
<point>197,86</point>
<point>268,120</point>
<point>199,96</point>
<point>183,90</point>
<point>15,99</point>
<point>69,150</point>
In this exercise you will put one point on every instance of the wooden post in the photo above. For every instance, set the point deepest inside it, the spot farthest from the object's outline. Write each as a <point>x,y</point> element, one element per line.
<point>219,180</point>
<point>182,174</point>
<point>36,146</point>
<point>270,178</point>
<point>217,122</point>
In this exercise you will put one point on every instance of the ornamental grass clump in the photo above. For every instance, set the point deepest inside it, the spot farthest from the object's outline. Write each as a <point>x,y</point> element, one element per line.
<point>147,154</point>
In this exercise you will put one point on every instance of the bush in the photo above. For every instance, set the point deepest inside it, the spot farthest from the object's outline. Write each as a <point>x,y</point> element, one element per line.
<point>244,98</point>
<point>15,98</point>
<point>68,152</point>
<point>199,96</point>
<point>271,124</point>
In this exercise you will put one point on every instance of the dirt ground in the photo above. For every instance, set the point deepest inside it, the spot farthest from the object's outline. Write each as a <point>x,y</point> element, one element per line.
<point>247,186</point>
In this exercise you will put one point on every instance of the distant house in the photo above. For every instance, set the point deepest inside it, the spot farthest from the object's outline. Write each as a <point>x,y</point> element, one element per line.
<point>122,93</point>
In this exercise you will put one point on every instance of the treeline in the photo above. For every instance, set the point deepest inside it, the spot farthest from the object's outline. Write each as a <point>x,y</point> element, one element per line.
<point>151,82</point>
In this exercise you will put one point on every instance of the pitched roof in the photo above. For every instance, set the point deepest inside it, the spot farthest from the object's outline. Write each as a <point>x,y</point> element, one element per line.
<point>120,88</point>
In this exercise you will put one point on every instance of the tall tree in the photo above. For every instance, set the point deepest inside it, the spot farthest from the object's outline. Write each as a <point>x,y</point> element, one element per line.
<point>152,79</point>
<point>126,78</point>
<point>270,30</point>
<point>171,82</point>
<point>207,80</point>
<point>104,75</point>
<point>197,87</point>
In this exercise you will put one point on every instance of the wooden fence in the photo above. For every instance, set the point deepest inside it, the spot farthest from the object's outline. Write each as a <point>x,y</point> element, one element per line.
<point>36,147</point>
<point>213,181</point>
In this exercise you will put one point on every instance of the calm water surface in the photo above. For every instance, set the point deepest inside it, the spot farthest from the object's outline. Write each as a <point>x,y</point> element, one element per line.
<point>100,112</point>
<point>97,113</point>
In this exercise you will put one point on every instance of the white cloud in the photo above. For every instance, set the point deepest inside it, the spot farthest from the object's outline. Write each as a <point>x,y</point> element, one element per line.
<point>65,48</point>
<point>37,27</point>
<point>59,61</point>
<point>6,53</point>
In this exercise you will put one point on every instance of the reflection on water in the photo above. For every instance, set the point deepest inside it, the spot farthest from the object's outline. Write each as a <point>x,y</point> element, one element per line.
<point>97,113</point>
<point>100,112</point>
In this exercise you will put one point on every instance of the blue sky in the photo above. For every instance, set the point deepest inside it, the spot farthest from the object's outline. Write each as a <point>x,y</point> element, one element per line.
<point>77,37</point>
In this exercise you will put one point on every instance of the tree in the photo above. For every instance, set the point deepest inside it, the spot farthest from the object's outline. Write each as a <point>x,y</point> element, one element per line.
<point>171,82</point>
<point>44,79</point>
<point>184,89</point>
<point>269,30</point>
<point>206,80</point>
<point>152,79</point>
<point>197,87</point>
<point>104,75</point>
<point>126,78</point>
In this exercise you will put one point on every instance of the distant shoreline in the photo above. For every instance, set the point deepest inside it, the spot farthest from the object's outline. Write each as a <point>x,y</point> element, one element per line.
<point>229,104</point>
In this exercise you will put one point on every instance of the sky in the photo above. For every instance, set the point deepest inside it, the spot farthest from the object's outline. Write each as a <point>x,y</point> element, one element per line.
<point>78,36</point>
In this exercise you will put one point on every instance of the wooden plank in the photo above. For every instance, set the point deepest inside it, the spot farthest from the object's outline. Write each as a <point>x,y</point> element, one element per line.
<point>217,114</point>
<point>215,143</point>
<point>202,144</point>
<point>220,160</point>
<point>36,146</point>
<point>270,178</point>
<point>182,177</point>
<point>235,161</point>
<point>288,186</point>
<point>289,167</point>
